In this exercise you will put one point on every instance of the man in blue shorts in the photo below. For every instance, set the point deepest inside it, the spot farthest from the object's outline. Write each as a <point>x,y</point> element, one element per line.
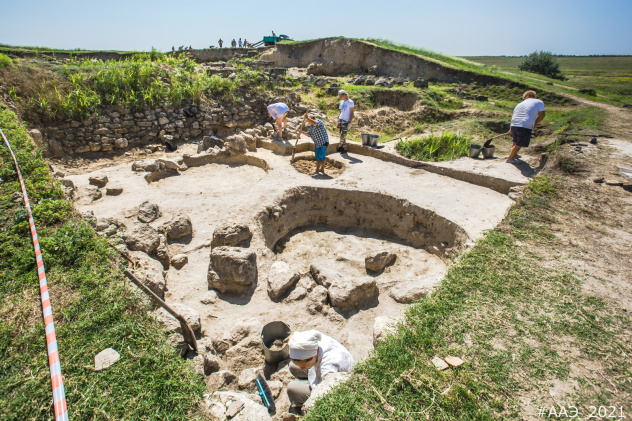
<point>525,116</point>
<point>318,132</point>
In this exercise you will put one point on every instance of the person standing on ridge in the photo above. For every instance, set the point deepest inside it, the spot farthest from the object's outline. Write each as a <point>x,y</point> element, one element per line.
<point>220,42</point>
<point>344,119</point>
<point>525,116</point>
<point>240,44</point>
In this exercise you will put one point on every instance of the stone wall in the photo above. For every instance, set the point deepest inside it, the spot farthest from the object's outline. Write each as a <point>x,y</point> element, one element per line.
<point>116,130</point>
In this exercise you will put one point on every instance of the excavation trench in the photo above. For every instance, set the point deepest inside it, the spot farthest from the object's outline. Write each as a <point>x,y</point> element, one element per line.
<point>371,211</point>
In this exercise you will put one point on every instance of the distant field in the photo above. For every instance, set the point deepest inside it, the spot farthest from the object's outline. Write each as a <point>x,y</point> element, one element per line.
<point>611,75</point>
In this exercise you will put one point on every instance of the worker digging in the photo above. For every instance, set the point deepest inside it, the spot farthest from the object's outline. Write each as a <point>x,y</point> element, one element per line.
<point>525,116</point>
<point>314,356</point>
<point>318,133</point>
<point>278,112</point>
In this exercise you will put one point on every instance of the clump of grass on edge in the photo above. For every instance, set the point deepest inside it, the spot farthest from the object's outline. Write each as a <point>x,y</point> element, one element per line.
<point>5,60</point>
<point>92,306</point>
<point>512,317</point>
<point>444,147</point>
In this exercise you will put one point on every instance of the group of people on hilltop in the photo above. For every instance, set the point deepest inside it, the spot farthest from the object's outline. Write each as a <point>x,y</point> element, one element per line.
<point>234,44</point>
<point>525,116</point>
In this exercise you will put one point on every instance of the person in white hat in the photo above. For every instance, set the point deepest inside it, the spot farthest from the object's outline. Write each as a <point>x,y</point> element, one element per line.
<point>314,356</point>
<point>347,109</point>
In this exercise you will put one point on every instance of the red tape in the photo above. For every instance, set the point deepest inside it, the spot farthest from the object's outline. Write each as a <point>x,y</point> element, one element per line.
<point>57,381</point>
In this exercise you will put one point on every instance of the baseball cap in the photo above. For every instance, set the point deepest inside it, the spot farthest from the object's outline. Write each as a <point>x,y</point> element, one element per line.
<point>342,92</point>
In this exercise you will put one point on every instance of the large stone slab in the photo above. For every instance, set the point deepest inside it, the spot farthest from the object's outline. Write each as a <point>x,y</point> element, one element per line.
<point>281,277</point>
<point>142,238</point>
<point>345,292</point>
<point>231,234</point>
<point>410,290</point>
<point>232,269</point>
<point>180,226</point>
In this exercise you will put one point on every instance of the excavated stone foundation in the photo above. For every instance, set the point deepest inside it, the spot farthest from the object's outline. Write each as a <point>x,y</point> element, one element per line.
<point>375,212</point>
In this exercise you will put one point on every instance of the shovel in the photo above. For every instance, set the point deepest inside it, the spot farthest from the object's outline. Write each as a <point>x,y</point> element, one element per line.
<point>298,136</point>
<point>488,142</point>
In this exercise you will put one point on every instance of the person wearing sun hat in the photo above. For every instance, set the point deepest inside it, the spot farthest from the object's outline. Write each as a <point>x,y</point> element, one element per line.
<point>314,356</point>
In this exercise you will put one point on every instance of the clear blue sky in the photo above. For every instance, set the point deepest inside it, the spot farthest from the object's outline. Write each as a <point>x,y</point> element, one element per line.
<point>458,27</point>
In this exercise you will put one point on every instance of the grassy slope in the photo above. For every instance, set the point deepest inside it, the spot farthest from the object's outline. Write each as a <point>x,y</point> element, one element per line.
<point>515,321</point>
<point>611,75</point>
<point>93,310</point>
<point>15,49</point>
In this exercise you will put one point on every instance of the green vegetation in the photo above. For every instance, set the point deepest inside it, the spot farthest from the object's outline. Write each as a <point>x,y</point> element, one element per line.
<point>444,58</point>
<point>609,75</point>
<point>13,49</point>
<point>517,323</point>
<point>77,89</point>
<point>543,63</point>
<point>5,61</point>
<point>444,147</point>
<point>92,307</point>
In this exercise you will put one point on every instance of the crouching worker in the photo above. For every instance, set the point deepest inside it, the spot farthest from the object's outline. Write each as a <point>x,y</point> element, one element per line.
<point>314,356</point>
<point>318,132</point>
<point>279,112</point>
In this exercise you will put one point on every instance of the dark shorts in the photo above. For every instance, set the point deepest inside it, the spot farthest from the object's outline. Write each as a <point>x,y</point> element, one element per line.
<point>321,153</point>
<point>521,136</point>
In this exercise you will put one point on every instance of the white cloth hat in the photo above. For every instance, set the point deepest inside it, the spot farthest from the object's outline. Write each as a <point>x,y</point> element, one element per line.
<point>304,345</point>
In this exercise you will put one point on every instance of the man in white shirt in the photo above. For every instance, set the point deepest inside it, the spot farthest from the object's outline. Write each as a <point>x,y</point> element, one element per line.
<point>525,116</point>
<point>314,356</point>
<point>279,112</point>
<point>344,119</point>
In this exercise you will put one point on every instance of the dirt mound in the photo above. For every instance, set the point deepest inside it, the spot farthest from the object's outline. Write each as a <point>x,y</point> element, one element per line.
<point>337,56</point>
<point>307,165</point>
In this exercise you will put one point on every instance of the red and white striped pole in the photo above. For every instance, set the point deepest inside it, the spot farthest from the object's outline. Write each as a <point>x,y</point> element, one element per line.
<point>59,395</point>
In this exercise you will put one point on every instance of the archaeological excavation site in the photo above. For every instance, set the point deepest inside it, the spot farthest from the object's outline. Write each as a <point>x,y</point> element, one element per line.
<point>229,240</point>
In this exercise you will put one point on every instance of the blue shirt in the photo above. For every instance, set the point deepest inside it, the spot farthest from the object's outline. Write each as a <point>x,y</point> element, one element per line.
<point>318,133</point>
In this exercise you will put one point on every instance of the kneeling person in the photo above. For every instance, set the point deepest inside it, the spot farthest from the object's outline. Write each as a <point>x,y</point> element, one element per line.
<point>314,356</point>
<point>318,132</point>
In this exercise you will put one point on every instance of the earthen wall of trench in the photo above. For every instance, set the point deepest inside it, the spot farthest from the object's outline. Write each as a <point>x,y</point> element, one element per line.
<point>374,212</point>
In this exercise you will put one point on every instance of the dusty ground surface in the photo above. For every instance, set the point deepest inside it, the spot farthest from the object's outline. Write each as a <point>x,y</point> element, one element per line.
<point>214,193</point>
<point>307,166</point>
<point>593,226</point>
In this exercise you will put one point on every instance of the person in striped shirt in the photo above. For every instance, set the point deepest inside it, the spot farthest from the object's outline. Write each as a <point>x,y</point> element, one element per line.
<point>318,132</point>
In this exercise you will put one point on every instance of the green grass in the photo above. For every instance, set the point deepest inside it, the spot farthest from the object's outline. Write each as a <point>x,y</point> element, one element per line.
<point>5,61</point>
<point>92,307</point>
<point>80,88</point>
<point>37,49</point>
<point>609,75</point>
<point>518,324</point>
<point>458,62</point>
<point>444,147</point>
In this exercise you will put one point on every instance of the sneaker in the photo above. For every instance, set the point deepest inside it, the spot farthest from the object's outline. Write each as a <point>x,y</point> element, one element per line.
<point>513,161</point>
<point>313,173</point>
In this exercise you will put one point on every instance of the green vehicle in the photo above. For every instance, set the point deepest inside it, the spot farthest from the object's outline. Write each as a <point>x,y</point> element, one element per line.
<point>271,40</point>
